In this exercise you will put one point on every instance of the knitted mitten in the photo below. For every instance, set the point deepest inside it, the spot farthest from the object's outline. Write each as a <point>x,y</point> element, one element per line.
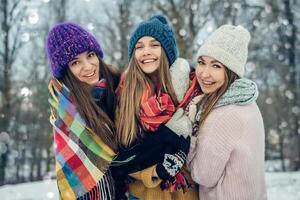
<point>172,163</point>
<point>180,71</point>
<point>180,123</point>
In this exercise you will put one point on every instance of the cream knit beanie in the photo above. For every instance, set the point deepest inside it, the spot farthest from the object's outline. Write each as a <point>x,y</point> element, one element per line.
<point>229,45</point>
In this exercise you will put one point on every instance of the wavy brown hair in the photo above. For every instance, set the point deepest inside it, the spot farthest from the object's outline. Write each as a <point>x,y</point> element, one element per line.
<point>128,106</point>
<point>209,101</point>
<point>96,119</point>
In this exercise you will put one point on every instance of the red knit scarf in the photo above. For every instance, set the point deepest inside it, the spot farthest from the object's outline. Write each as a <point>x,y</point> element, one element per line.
<point>155,109</point>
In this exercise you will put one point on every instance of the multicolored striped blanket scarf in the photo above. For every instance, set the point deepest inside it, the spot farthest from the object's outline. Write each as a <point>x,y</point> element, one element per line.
<point>82,159</point>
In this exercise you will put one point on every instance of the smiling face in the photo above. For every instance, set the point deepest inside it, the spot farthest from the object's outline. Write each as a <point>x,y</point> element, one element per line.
<point>148,54</point>
<point>210,74</point>
<point>85,67</point>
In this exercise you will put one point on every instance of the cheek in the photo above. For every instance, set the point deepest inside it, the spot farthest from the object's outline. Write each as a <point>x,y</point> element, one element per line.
<point>197,71</point>
<point>136,54</point>
<point>75,70</point>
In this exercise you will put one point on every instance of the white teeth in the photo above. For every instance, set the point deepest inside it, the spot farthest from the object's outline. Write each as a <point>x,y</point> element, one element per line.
<point>91,74</point>
<point>207,82</point>
<point>148,61</point>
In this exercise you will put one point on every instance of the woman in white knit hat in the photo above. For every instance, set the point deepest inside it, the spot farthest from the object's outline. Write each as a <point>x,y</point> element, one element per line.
<point>226,155</point>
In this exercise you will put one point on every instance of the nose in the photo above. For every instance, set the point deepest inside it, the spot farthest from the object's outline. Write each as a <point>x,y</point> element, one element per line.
<point>146,50</point>
<point>204,71</point>
<point>87,64</point>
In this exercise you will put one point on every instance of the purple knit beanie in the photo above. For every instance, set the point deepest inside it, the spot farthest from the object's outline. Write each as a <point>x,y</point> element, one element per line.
<point>65,41</point>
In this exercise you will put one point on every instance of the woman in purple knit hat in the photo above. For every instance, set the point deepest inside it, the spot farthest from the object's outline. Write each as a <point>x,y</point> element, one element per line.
<point>82,103</point>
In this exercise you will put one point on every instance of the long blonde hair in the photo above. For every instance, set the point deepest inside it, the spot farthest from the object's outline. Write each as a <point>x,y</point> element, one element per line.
<point>209,101</point>
<point>128,102</point>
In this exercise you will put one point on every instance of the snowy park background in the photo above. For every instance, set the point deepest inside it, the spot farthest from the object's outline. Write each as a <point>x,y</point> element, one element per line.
<point>26,148</point>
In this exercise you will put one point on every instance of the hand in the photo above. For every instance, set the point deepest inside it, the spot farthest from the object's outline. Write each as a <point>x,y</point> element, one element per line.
<point>180,72</point>
<point>180,123</point>
<point>171,165</point>
<point>166,136</point>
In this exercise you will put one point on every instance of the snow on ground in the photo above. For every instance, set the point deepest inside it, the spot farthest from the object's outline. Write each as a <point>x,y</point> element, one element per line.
<point>281,186</point>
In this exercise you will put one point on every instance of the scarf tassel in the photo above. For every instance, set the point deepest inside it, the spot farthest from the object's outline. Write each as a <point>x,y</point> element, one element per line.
<point>103,190</point>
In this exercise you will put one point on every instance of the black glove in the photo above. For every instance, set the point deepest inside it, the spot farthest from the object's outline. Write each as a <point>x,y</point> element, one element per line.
<point>167,137</point>
<point>144,154</point>
<point>173,163</point>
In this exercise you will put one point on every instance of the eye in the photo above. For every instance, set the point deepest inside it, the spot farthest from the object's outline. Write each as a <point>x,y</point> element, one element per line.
<point>156,44</point>
<point>138,46</point>
<point>74,63</point>
<point>200,62</point>
<point>217,66</point>
<point>91,54</point>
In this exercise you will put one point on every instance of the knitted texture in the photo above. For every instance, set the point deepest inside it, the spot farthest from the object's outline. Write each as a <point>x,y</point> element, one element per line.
<point>158,28</point>
<point>228,159</point>
<point>65,41</point>
<point>229,45</point>
<point>180,73</point>
<point>180,123</point>
<point>240,92</point>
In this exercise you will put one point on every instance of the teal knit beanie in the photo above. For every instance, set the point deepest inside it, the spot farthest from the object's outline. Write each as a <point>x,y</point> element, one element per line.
<point>158,28</point>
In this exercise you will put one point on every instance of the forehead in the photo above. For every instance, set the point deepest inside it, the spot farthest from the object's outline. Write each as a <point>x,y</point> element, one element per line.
<point>209,59</point>
<point>83,54</point>
<point>146,39</point>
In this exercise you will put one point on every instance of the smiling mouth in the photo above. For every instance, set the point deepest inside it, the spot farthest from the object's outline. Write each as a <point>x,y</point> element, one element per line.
<point>148,61</point>
<point>90,75</point>
<point>207,83</point>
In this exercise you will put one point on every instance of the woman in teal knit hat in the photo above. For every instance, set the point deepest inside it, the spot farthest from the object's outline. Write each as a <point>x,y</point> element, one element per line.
<point>152,88</point>
<point>227,150</point>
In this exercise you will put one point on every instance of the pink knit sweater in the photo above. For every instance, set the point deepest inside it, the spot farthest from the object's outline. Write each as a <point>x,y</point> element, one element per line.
<point>227,157</point>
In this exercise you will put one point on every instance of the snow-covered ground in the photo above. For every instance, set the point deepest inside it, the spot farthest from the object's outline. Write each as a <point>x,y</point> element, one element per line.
<point>281,186</point>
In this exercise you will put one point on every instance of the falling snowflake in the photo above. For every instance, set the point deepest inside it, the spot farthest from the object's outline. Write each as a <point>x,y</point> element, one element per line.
<point>209,29</point>
<point>256,23</point>
<point>269,100</point>
<point>90,26</point>
<point>25,37</point>
<point>289,94</point>
<point>182,32</point>
<point>50,195</point>
<point>174,21</point>
<point>283,125</point>
<point>194,7</point>
<point>26,92</point>
<point>33,17</point>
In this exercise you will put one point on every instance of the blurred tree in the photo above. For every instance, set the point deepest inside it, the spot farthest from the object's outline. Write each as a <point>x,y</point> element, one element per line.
<point>13,13</point>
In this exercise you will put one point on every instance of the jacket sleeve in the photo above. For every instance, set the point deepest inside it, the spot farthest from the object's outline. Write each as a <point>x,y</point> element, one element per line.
<point>147,177</point>
<point>215,142</point>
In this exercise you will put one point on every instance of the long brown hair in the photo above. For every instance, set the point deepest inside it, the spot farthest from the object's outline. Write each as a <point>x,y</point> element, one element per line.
<point>128,106</point>
<point>97,120</point>
<point>209,101</point>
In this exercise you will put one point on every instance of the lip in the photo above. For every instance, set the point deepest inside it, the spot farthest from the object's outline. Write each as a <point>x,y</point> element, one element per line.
<point>148,60</point>
<point>207,83</point>
<point>92,74</point>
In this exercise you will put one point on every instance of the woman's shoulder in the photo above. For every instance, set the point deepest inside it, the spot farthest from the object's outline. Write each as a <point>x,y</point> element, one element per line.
<point>236,114</point>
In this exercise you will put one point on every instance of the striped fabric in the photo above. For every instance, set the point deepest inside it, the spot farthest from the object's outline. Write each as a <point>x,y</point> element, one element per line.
<point>155,109</point>
<point>158,109</point>
<point>82,159</point>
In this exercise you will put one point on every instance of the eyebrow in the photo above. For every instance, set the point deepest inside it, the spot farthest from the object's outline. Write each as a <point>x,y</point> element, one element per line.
<point>213,61</point>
